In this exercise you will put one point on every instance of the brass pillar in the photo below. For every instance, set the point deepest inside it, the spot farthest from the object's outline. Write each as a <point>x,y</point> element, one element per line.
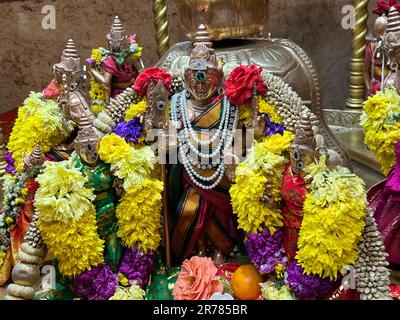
<point>357,85</point>
<point>161,25</point>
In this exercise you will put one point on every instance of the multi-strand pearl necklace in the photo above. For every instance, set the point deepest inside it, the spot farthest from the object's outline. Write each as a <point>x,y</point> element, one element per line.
<point>225,133</point>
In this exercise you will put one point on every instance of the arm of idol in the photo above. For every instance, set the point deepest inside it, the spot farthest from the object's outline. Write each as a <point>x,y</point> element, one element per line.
<point>230,162</point>
<point>267,198</point>
<point>104,79</point>
<point>136,62</point>
<point>257,121</point>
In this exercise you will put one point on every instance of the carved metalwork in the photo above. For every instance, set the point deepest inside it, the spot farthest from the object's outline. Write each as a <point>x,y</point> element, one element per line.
<point>357,85</point>
<point>161,25</point>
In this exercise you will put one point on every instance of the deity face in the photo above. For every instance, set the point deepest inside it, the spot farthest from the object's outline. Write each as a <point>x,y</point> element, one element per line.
<point>65,79</point>
<point>202,84</point>
<point>301,157</point>
<point>88,152</point>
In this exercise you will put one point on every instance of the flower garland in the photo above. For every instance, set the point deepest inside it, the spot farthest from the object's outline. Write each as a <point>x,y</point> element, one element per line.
<point>265,162</point>
<point>139,209</point>
<point>8,158</point>
<point>39,122</point>
<point>127,163</point>
<point>67,217</point>
<point>333,221</point>
<point>132,293</point>
<point>306,286</point>
<point>135,110</point>
<point>98,95</point>
<point>380,120</point>
<point>131,131</point>
<point>265,251</point>
<point>136,267</point>
<point>138,215</point>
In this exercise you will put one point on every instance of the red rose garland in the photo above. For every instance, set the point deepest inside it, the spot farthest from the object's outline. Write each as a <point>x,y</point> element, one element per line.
<point>239,86</point>
<point>142,81</point>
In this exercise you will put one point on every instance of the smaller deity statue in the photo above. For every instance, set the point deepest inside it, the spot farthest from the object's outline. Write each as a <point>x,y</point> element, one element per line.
<point>70,76</point>
<point>102,181</point>
<point>303,152</point>
<point>117,68</point>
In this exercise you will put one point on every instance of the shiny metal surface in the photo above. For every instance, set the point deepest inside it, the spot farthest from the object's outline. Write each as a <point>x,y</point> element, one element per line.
<point>225,19</point>
<point>280,57</point>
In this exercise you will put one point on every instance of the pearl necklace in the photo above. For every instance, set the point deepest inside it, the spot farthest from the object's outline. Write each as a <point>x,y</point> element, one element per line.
<point>228,123</point>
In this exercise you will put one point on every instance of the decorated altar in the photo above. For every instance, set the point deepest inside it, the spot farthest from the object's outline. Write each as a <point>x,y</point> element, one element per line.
<point>213,175</point>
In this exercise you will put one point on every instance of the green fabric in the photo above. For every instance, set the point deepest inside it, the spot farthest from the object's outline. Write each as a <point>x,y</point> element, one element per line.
<point>101,180</point>
<point>161,279</point>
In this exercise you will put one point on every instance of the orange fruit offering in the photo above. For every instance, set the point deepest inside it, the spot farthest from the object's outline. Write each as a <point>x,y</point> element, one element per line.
<point>245,283</point>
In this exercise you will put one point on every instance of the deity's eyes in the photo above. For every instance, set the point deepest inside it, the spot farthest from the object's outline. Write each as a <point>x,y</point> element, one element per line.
<point>296,155</point>
<point>200,76</point>
<point>300,165</point>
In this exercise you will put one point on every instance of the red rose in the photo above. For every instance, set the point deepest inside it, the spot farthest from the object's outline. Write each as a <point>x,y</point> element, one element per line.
<point>240,84</point>
<point>142,81</point>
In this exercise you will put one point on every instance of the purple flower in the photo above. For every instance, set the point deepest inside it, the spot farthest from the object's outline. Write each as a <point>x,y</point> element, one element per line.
<point>137,266</point>
<point>273,128</point>
<point>306,286</point>
<point>8,158</point>
<point>265,251</point>
<point>99,283</point>
<point>131,131</point>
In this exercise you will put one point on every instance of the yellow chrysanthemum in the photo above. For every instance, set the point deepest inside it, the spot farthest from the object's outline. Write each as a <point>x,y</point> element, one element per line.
<point>382,127</point>
<point>39,122</point>
<point>97,108</point>
<point>135,110</point>
<point>9,220</point>
<point>265,162</point>
<point>113,148</point>
<point>135,167</point>
<point>265,107</point>
<point>97,55</point>
<point>132,293</point>
<point>138,215</point>
<point>270,291</point>
<point>97,92</point>
<point>139,52</point>
<point>67,218</point>
<point>333,222</point>
<point>123,280</point>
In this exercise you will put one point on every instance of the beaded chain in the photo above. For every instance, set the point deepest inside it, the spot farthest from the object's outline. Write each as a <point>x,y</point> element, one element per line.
<point>225,133</point>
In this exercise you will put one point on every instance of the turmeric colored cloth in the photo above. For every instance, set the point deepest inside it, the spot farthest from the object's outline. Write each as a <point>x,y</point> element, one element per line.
<point>197,212</point>
<point>293,192</point>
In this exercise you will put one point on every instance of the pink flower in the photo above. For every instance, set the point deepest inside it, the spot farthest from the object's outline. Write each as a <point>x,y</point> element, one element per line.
<point>197,280</point>
<point>51,91</point>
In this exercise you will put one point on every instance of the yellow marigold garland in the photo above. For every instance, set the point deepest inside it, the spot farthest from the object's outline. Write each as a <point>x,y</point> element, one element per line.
<point>67,218</point>
<point>138,215</point>
<point>382,127</point>
<point>135,110</point>
<point>333,221</point>
<point>135,167</point>
<point>39,122</point>
<point>266,107</point>
<point>265,161</point>
<point>113,148</point>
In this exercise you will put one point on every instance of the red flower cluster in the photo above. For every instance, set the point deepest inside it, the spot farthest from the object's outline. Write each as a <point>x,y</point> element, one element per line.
<point>383,6</point>
<point>51,91</point>
<point>240,84</point>
<point>142,81</point>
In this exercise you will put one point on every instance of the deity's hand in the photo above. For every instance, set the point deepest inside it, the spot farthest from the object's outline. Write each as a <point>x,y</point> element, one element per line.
<point>268,198</point>
<point>118,186</point>
<point>230,162</point>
